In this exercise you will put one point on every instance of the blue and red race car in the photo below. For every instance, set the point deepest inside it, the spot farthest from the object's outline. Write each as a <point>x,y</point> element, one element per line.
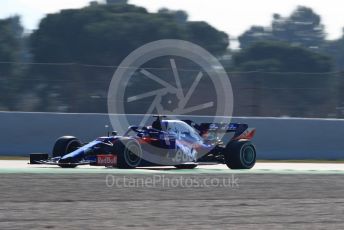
<point>181,143</point>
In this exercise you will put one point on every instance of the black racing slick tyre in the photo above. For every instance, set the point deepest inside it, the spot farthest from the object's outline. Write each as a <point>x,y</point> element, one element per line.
<point>129,154</point>
<point>186,166</point>
<point>65,145</point>
<point>240,155</point>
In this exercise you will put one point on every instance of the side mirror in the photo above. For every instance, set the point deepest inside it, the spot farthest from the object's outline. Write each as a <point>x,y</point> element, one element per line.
<point>114,133</point>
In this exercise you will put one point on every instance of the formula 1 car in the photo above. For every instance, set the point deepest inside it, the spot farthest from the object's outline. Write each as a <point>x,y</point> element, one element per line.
<point>181,143</point>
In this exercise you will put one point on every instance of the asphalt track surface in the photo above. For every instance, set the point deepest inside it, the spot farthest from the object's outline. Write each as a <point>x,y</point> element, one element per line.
<point>275,196</point>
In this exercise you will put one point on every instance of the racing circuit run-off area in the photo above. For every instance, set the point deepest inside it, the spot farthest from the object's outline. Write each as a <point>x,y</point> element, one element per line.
<point>271,196</point>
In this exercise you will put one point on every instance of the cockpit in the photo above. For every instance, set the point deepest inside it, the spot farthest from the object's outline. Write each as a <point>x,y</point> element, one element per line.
<point>181,129</point>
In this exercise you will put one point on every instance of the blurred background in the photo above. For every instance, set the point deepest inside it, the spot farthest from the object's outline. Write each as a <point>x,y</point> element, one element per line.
<point>288,67</point>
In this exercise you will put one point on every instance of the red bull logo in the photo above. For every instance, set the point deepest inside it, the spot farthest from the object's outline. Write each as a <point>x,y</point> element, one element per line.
<point>107,160</point>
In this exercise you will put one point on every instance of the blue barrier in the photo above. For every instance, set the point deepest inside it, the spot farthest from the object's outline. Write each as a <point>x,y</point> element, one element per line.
<point>276,138</point>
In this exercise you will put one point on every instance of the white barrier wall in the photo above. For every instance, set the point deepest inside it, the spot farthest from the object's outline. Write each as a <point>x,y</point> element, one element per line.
<point>276,138</point>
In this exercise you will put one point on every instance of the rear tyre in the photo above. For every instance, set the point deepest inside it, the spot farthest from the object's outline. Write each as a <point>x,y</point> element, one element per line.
<point>240,155</point>
<point>129,154</point>
<point>186,166</point>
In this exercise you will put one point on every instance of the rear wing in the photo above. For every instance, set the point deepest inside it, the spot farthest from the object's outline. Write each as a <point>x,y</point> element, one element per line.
<point>241,131</point>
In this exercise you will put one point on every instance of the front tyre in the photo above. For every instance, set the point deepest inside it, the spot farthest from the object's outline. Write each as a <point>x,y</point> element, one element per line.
<point>240,155</point>
<point>65,145</point>
<point>186,166</point>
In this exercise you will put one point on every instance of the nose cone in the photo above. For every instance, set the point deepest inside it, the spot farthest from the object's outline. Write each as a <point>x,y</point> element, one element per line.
<point>73,157</point>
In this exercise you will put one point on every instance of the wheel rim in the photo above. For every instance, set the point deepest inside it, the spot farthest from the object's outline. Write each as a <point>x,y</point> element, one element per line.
<point>132,155</point>
<point>248,155</point>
